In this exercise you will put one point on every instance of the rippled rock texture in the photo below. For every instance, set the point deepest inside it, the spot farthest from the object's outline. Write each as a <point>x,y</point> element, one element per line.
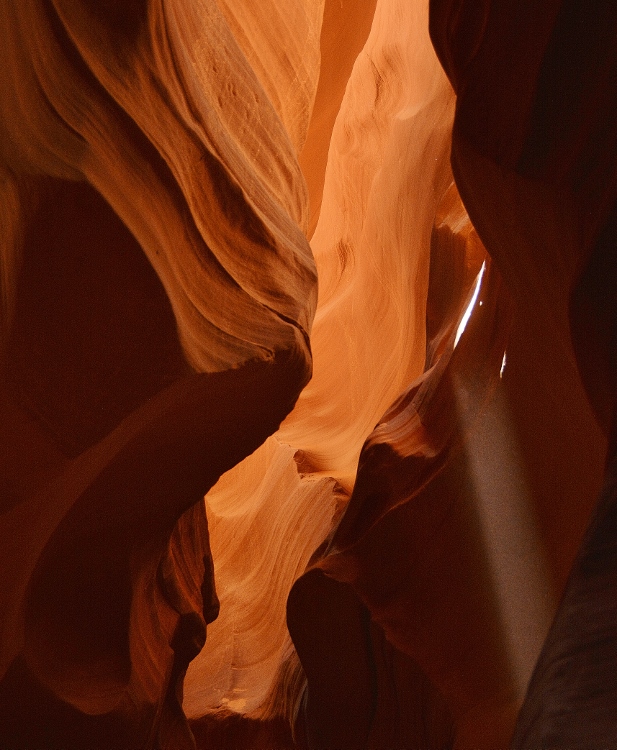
<point>240,243</point>
<point>158,292</point>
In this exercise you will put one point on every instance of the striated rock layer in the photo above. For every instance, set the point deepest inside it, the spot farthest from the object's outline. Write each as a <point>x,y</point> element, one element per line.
<point>382,549</point>
<point>157,296</point>
<point>369,341</point>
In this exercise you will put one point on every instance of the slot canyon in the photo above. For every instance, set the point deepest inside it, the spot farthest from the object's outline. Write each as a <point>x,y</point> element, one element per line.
<point>347,269</point>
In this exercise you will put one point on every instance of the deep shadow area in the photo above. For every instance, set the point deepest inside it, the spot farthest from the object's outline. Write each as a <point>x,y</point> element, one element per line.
<point>94,335</point>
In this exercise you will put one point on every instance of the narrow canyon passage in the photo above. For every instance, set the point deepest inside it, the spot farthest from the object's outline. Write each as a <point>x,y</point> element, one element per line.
<point>346,270</point>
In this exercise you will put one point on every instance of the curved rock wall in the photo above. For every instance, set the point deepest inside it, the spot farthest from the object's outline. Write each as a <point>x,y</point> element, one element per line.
<point>533,153</point>
<point>142,356</point>
<point>382,549</point>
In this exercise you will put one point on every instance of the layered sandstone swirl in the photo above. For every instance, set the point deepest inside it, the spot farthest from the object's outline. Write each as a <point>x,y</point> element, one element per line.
<point>346,269</point>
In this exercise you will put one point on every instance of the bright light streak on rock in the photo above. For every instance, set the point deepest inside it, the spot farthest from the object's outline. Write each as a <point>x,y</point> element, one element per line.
<point>470,306</point>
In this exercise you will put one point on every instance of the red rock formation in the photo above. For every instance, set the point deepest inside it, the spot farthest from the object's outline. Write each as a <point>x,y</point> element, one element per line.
<point>128,391</point>
<point>373,252</point>
<point>534,157</point>
<point>446,592</point>
<point>388,543</point>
